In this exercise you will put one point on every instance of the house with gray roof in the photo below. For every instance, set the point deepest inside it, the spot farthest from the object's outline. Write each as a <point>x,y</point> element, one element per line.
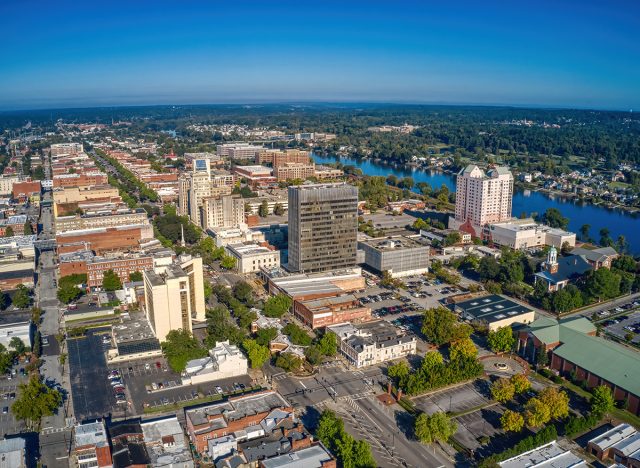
<point>602,257</point>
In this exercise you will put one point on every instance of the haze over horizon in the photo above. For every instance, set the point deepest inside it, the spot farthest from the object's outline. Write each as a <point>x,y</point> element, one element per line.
<point>554,54</point>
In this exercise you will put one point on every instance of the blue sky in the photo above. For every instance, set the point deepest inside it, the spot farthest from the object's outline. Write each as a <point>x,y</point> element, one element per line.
<point>555,53</point>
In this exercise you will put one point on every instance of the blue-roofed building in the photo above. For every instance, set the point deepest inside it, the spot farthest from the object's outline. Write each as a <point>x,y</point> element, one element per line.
<point>557,273</point>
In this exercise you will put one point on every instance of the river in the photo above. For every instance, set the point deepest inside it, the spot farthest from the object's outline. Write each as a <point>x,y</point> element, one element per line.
<point>619,222</point>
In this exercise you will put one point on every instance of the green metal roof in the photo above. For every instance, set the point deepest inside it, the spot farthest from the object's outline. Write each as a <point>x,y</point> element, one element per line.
<point>606,359</point>
<point>610,361</point>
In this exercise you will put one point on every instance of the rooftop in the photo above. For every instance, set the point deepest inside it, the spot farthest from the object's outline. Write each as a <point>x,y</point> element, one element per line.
<point>91,434</point>
<point>550,455</point>
<point>246,249</point>
<point>310,457</point>
<point>491,308</point>
<point>623,438</point>
<point>394,243</point>
<point>569,268</point>
<point>13,452</point>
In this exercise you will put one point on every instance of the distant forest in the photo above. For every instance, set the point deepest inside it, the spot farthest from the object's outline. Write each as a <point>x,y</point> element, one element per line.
<point>586,134</point>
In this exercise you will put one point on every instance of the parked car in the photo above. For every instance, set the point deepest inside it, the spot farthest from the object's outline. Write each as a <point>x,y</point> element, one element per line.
<point>219,389</point>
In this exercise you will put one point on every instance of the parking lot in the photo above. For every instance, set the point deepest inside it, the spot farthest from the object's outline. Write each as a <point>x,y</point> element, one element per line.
<point>457,399</point>
<point>621,325</point>
<point>152,384</point>
<point>8,394</point>
<point>93,396</point>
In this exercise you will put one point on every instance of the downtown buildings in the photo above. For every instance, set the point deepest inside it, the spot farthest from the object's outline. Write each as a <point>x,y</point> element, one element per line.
<point>323,225</point>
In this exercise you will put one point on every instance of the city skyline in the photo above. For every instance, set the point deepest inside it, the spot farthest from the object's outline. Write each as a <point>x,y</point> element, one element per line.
<point>579,55</point>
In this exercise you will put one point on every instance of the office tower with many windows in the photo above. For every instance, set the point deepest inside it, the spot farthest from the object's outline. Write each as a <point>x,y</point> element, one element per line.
<point>323,226</point>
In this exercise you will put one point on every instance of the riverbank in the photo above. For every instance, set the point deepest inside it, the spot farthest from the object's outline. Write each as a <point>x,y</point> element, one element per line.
<point>617,221</point>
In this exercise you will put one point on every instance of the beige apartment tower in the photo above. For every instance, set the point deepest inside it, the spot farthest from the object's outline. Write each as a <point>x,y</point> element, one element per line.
<point>222,212</point>
<point>323,225</point>
<point>482,198</point>
<point>174,295</point>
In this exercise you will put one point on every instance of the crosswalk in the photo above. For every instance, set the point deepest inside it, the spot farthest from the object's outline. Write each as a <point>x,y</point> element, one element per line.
<point>279,376</point>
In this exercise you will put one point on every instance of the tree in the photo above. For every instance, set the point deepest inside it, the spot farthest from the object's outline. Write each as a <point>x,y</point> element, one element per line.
<point>441,326</point>
<point>399,370</point>
<point>501,340</point>
<point>35,401</point>
<point>511,421</point>
<point>437,427</point>
<point>243,291</point>
<point>601,400</point>
<point>257,354</point>
<point>21,298</point>
<point>17,344</point>
<point>489,268</point>
<point>276,306</point>
<point>420,224</point>
<point>605,237</point>
<point>265,335</point>
<point>351,453</point>
<point>228,262</point>
<point>313,355</point>
<point>536,413</point>
<point>9,232</point>
<point>263,209</point>
<point>296,334</point>
<point>135,276</point>
<point>502,390</point>
<point>452,239</point>
<point>553,218</point>
<point>28,229</point>
<point>463,348</point>
<point>602,284</point>
<point>111,281</point>
<point>278,210</point>
<point>520,383</point>
<point>289,362</point>
<point>584,232</point>
<point>68,292</point>
<point>556,400</point>
<point>180,347</point>
<point>542,358</point>
<point>328,344</point>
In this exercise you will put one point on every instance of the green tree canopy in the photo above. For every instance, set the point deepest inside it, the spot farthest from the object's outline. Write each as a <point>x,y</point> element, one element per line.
<point>501,340</point>
<point>437,427</point>
<point>602,400</point>
<point>511,421</point>
<point>265,335</point>
<point>441,326</point>
<point>228,262</point>
<point>258,354</point>
<point>35,401</point>
<point>180,347</point>
<point>328,344</point>
<point>276,306</point>
<point>22,297</point>
<point>502,390</point>
<point>111,281</point>
<point>135,276</point>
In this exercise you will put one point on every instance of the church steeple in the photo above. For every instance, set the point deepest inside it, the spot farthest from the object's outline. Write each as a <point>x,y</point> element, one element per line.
<point>551,265</point>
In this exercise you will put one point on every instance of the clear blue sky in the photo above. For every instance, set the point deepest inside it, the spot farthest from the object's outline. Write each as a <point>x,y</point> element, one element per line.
<point>544,53</point>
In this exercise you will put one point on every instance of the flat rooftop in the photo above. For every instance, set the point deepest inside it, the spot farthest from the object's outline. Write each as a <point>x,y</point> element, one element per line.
<point>386,244</point>
<point>91,434</point>
<point>529,225</point>
<point>550,455</point>
<point>250,248</point>
<point>491,308</point>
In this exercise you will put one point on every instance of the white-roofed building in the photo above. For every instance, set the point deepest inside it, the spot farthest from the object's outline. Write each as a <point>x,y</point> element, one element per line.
<point>550,455</point>
<point>225,360</point>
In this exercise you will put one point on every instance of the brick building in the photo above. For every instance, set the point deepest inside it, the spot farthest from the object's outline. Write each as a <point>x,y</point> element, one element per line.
<point>289,171</point>
<point>88,179</point>
<point>235,414</point>
<point>277,157</point>
<point>318,313</point>
<point>575,350</point>
<point>104,240</point>
<point>84,262</point>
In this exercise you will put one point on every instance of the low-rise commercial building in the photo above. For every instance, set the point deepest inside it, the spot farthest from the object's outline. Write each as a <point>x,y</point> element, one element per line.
<point>307,286</point>
<point>398,255</point>
<point>165,443</point>
<point>105,219</point>
<point>316,313</point>
<point>620,444</point>
<point>15,325</point>
<point>526,234</point>
<point>255,175</point>
<point>92,446</point>
<point>13,453</point>
<point>88,179</point>
<point>494,311</point>
<point>134,339</point>
<point>104,240</point>
<point>372,343</point>
<point>246,415</point>
<point>85,262</point>
<point>225,360</point>
<point>237,235</point>
<point>251,257</point>
<point>550,455</point>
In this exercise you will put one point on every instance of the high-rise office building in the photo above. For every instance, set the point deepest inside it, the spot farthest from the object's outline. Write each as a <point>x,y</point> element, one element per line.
<point>482,198</point>
<point>323,226</point>
<point>174,295</point>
